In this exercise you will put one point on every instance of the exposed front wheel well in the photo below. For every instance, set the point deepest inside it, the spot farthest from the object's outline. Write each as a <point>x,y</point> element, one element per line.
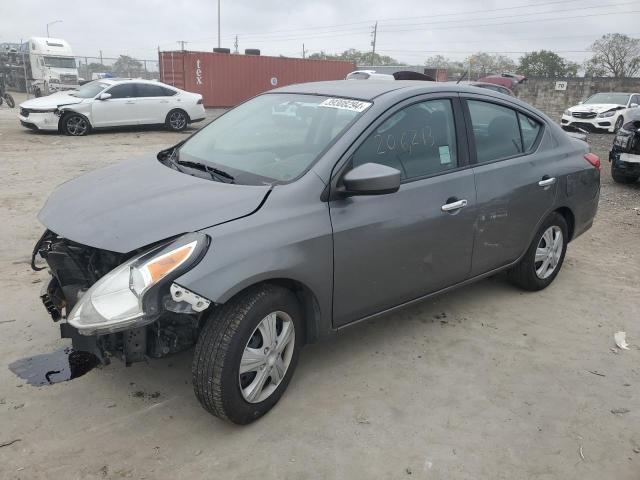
<point>308,301</point>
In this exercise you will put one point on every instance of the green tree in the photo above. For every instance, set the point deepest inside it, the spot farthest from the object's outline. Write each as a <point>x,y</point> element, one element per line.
<point>615,55</point>
<point>483,64</point>
<point>357,56</point>
<point>126,66</point>
<point>454,67</point>
<point>546,64</point>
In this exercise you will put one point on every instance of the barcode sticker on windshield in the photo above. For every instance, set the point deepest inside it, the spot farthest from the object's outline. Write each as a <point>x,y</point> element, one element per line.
<point>345,104</point>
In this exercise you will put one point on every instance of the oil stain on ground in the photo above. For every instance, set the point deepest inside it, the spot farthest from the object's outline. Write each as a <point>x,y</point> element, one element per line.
<point>49,368</point>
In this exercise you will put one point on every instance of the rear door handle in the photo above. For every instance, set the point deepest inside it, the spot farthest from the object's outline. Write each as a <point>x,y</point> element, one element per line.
<point>130,103</point>
<point>164,101</point>
<point>545,182</point>
<point>449,207</point>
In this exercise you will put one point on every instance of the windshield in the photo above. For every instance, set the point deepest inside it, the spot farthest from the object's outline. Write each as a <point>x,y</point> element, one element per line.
<point>615,98</point>
<point>89,90</point>
<point>60,62</point>
<point>273,137</point>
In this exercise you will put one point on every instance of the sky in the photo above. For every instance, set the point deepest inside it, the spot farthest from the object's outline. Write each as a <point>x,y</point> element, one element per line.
<point>408,30</point>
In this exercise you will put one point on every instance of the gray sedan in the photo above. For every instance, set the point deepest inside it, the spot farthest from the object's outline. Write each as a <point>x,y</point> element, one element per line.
<point>301,212</point>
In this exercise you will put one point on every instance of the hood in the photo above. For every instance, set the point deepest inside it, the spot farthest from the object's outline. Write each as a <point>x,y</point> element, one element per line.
<point>596,107</point>
<point>51,101</point>
<point>141,201</point>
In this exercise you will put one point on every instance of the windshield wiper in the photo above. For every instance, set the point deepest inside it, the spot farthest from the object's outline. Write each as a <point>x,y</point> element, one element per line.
<point>215,173</point>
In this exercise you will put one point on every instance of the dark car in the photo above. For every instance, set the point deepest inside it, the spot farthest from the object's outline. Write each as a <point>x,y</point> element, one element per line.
<point>625,153</point>
<point>303,211</point>
<point>508,80</point>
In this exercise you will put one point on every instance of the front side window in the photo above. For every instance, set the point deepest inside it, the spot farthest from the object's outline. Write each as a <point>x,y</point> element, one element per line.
<point>273,137</point>
<point>419,140</point>
<point>124,90</point>
<point>496,131</point>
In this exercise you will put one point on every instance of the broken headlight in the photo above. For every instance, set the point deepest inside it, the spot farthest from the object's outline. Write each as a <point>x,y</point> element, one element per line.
<point>127,297</point>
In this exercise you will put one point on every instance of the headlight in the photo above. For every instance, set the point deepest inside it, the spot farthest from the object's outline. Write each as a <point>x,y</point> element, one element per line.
<point>607,114</point>
<point>127,297</point>
<point>567,112</point>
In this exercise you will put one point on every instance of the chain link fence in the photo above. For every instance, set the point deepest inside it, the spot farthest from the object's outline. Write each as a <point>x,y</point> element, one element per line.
<point>90,68</point>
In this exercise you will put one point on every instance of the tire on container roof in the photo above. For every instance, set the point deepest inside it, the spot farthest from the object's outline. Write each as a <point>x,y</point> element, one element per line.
<point>221,50</point>
<point>252,51</point>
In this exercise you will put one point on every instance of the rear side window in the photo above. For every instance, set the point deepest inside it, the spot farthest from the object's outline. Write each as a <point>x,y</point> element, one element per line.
<point>496,131</point>
<point>418,140</point>
<point>124,90</point>
<point>530,130</point>
<point>147,90</point>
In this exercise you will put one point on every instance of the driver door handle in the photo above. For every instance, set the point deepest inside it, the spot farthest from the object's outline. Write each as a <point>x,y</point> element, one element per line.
<point>449,207</point>
<point>545,182</point>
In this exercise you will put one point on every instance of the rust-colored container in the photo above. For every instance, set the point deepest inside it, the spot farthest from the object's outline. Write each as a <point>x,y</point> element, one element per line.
<point>226,80</point>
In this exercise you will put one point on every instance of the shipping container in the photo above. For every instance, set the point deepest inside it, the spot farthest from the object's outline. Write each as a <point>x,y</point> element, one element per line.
<point>226,80</point>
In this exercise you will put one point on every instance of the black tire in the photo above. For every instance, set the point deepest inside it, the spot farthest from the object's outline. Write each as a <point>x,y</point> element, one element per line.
<point>75,125</point>
<point>524,273</point>
<point>619,177</point>
<point>1,100</point>
<point>10,101</point>
<point>220,347</point>
<point>177,120</point>
<point>618,124</point>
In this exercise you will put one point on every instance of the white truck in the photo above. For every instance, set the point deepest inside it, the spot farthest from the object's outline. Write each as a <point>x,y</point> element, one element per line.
<point>44,66</point>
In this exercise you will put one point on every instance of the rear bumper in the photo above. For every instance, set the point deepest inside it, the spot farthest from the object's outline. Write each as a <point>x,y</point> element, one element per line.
<point>629,166</point>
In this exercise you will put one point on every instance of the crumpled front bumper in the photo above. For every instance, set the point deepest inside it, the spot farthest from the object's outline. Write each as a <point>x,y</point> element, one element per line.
<point>40,121</point>
<point>589,124</point>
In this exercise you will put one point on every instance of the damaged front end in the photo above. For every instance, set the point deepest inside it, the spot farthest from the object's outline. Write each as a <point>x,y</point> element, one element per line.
<point>625,152</point>
<point>124,305</point>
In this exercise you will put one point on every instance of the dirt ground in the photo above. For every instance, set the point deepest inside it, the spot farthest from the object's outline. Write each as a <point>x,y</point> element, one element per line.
<point>486,382</point>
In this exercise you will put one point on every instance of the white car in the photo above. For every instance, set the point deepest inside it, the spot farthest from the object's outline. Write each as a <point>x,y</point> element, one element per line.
<point>113,102</point>
<point>603,111</point>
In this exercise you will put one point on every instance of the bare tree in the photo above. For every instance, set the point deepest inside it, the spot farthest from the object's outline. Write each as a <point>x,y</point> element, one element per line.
<point>615,55</point>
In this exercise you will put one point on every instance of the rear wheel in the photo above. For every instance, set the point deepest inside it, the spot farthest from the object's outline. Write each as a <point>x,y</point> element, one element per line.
<point>620,177</point>
<point>177,120</point>
<point>541,263</point>
<point>75,124</point>
<point>247,353</point>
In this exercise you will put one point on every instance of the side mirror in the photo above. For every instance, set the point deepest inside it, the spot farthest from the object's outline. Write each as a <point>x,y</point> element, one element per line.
<point>371,179</point>
<point>633,105</point>
<point>104,96</point>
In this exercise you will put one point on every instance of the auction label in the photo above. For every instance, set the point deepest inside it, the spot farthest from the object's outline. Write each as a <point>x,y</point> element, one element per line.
<point>345,104</point>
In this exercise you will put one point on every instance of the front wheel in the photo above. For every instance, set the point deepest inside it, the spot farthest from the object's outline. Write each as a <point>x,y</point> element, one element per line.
<point>541,263</point>
<point>10,101</point>
<point>619,177</point>
<point>618,124</point>
<point>247,353</point>
<point>177,120</point>
<point>75,125</point>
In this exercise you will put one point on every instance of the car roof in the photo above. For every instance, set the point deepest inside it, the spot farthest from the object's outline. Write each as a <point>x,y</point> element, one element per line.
<point>114,80</point>
<point>373,88</point>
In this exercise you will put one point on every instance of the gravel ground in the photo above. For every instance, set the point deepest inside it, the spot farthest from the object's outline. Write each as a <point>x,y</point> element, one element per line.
<point>484,382</point>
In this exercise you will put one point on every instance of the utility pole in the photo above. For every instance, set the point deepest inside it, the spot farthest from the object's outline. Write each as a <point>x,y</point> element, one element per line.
<point>235,44</point>
<point>218,23</point>
<point>303,52</point>
<point>374,33</point>
<point>51,23</point>
<point>101,62</point>
<point>182,42</point>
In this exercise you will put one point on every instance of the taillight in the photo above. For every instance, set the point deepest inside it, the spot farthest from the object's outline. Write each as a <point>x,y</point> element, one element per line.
<point>593,159</point>
<point>199,102</point>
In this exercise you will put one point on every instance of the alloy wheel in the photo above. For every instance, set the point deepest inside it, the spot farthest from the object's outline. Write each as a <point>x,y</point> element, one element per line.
<point>177,120</point>
<point>548,252</point>
<point>266,357</point>
<point>76,125</point>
